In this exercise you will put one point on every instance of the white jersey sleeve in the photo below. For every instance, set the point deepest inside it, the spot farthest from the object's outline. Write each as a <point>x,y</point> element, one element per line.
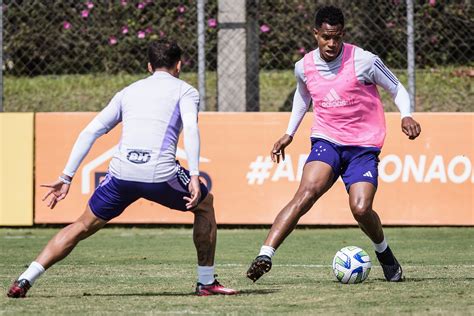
<point>371,69</point>
<point>111,115</point>
<point>301,100</point>
<point>101,124</point>
<point>189,106</point>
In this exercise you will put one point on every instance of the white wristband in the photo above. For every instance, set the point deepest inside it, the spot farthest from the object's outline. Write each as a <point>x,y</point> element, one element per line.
<point>64,180</point>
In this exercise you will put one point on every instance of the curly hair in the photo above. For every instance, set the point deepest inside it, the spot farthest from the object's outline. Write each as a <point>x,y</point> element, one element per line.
<point>330,15</point>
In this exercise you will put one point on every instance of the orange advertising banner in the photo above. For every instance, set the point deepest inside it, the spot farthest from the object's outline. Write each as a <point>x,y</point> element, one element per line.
<point>428,181</point>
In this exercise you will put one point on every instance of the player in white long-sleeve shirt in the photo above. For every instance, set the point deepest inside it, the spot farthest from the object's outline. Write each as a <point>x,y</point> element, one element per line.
<point>347,135</point>
<point>153,111</point>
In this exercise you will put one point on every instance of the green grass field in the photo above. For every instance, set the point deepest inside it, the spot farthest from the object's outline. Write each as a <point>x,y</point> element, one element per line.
<point>152,271</point>
<point>447,89</point>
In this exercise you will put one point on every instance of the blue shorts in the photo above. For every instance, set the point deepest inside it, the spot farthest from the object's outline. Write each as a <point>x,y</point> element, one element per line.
<point>113,195</point>
<point>353,163</point>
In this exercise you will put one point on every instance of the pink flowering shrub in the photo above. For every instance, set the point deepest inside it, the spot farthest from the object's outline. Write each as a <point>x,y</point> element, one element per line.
<point>88,36</point>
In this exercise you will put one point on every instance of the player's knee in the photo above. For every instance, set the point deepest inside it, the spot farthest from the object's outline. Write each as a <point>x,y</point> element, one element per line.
<point>207,205</point>
<point>208,202</point>
<point>306,197</point>
<point>361,210</point>
<point>312,192</point>
<point>77,230</point>
<point>83,229</point>
<point>209,199</point>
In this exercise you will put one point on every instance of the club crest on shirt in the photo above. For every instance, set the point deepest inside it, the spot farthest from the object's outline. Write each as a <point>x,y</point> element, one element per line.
<point>139,156</point>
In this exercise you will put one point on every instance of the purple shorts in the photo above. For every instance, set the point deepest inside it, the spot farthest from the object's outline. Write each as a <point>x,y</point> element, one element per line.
<point>113,195</point>
<point>353,163</point>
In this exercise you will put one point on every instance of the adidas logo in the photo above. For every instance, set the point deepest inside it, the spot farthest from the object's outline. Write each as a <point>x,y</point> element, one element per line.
<point>368,174</point>
<point>332,99</point>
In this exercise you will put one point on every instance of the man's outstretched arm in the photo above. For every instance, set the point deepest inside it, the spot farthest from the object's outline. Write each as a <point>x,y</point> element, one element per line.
<point>107,119</point>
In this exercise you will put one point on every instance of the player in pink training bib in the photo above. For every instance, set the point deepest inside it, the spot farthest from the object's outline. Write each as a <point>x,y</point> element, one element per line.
<point>347,135</point>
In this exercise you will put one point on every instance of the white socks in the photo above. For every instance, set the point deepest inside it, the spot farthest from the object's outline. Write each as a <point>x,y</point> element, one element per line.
<point>267,251</point>
<point>34,271</point>
<point>381,247</point>
<point>205,274</point>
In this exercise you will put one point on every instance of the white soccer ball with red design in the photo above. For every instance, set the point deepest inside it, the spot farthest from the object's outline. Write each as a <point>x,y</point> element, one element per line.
<point>351,265</point>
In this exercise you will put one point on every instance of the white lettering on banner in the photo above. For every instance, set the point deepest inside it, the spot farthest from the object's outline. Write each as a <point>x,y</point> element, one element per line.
<point>467,169</point>
<point>436,170</point>
<point>391,168</point>
<point>259,170</point>
<point>383,166</point>
<point>417,170</point>
<point>284,170</point>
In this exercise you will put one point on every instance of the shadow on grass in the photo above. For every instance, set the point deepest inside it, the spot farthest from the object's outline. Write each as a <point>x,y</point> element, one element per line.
<point>413,280</point>
<point>242,292</point>
<point>408,280</point>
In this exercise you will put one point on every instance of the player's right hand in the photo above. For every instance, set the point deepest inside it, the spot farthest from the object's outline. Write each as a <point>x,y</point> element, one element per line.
<point>58,190</point>
<point>195,190</point>
<point>279,148</point>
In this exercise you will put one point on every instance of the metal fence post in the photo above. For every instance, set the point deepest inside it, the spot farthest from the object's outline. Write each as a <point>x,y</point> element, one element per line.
<point>201,34</point>
<point>231,56</point>
<point>411,53</point>
<point>252,52</point>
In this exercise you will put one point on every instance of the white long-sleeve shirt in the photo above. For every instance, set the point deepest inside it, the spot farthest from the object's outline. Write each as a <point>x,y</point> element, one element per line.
<point>153,112</point>
<point>369,69</point>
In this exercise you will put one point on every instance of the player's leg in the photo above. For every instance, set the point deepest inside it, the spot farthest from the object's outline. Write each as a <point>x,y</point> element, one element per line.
<point>205,231</point>
<point>317,178</point>
<point>67,238</point>
<point>108,201</point>
<point>204,237</point>
<point>57,249</point>
<point>360,176</point>
<point>361,196</point>
<point>171,194</point>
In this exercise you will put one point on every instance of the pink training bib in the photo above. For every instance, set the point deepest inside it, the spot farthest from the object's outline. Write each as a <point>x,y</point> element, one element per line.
<point>345,110</point>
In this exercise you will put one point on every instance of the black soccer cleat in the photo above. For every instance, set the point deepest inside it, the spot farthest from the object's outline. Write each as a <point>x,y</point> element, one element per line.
<point>260,266</point>
<point>19,289</point>
<point>393,272</point>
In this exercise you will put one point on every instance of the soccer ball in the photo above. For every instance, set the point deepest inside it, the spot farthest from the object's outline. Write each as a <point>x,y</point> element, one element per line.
<point>351,265</point>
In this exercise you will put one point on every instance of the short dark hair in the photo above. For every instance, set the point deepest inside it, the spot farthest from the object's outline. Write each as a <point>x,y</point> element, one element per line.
<point>330,15</point>
<point>163,53</point>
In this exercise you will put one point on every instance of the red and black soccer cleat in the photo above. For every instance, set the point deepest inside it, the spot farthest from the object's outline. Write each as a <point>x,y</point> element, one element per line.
<point>214,288</point>
<point>19,289</point>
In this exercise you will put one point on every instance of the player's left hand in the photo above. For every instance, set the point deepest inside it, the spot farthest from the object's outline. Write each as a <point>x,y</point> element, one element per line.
<point>195,189</point>
<point>410,127</point>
